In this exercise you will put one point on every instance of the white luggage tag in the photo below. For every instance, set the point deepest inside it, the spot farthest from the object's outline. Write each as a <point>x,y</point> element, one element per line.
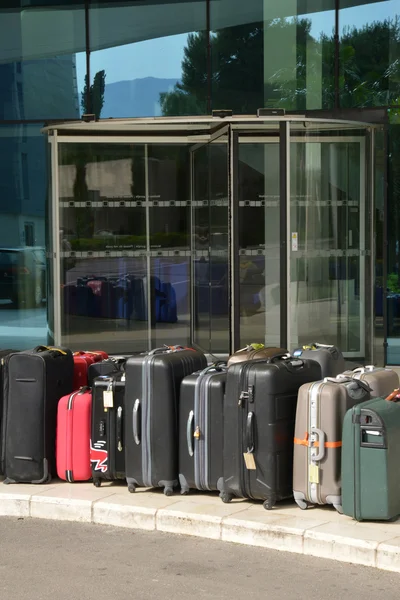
<point>108,397</point>
<point>313,473</point>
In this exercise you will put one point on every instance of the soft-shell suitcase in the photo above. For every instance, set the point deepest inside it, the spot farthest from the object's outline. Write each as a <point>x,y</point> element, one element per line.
<point>370,471</point>
<point>34,381</point>
<point>255,352</point>
<point>381,381</point>
<point>201,406</point>
<point>321,408</point>
<point>107,454</point>
<point>73,436</point>
<point>3,356</point>
<point>329,357</point>
<point>259,414</point>
<point>153,382</point>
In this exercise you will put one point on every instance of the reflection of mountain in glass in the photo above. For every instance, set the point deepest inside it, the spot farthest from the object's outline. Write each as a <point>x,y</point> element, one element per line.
<point>136,98</point>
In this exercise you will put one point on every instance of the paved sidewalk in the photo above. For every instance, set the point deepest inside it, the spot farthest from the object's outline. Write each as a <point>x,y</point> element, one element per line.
<point>317,532</point>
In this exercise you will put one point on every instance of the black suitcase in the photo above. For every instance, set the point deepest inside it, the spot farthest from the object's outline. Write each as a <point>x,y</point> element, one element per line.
<point>34,381</point>
<point>108,366</point>
<point>201,432</point>
<point>153,382</point>
<point>259,417</point>
<point>107,455</point>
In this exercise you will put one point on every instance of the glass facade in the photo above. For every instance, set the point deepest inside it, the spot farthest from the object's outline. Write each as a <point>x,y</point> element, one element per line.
<point>59,60</point>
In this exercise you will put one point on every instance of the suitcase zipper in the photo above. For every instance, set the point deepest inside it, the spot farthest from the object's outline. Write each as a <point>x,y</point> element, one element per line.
<point>69,472</point>
<point>244,397</point>
<point>201,475</point>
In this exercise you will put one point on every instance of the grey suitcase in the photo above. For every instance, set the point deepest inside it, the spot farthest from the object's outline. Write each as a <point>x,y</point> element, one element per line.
<point>321,408</point>
<point>201,431</point>
<point>329,357</point>
<point>381,381</point>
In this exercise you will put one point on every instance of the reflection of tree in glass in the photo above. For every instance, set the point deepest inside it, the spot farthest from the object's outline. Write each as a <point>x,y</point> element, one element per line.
<point>369,68</point>
<point>94,103</point>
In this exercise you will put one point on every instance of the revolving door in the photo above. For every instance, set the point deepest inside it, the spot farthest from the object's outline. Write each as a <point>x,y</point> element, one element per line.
<point>213,232</point>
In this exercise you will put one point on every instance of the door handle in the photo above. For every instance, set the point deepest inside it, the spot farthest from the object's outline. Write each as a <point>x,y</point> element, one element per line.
<point>135,421</point>
<point>119,428</point>
<point>250,432</point>
<point>189,433</point>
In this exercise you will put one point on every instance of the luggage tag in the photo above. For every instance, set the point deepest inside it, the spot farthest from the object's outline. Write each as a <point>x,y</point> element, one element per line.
<point>108,397</point>
<point>249,461</point>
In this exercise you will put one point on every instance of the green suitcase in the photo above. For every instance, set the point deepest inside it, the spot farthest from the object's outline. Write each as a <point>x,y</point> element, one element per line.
<point>370,459</point>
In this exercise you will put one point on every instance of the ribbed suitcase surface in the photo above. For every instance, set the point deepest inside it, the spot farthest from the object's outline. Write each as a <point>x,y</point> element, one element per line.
<point>201,407</point>
<point>259,415</point>
<point>151,425</point>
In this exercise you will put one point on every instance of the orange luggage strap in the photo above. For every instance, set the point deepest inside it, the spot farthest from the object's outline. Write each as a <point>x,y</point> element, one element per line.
<point>310,444</point>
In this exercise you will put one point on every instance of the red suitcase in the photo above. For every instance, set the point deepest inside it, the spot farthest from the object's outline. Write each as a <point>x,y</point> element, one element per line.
<point>74,419</point>
<point>82,360</point>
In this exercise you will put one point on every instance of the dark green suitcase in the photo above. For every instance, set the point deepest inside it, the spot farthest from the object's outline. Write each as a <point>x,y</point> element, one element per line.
<point>370,460</point>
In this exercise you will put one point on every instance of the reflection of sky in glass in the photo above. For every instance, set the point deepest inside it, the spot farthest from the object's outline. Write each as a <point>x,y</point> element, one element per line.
<point>162,57</point>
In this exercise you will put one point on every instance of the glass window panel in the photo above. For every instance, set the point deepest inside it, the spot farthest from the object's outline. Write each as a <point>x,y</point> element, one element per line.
<point>42,64</point>
<point>271,55</point>
<point>140,54</point>
<point>369,54</point>
<point>23,273</point>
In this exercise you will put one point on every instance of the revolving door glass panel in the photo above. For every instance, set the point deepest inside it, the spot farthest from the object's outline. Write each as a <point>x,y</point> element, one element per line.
<point>210,265</point>
<point>124,245</point>
<point>259,239</point>
<point>330,241</point>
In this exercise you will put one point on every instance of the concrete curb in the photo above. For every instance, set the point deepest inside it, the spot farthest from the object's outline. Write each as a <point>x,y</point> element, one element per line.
<point>316,532</point>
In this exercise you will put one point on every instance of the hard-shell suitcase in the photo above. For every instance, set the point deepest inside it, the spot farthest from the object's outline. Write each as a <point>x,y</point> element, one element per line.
<point>370,470</point>
<point>259,414</point>
<point>107,455</point>
<point>34,381</point>
<point>153,382</point>
<point>82,361</point>
<point>381,381</point>
<point>110,365</point>
<point>73,436</point>
<point>201,406</point>
<point>255,352</point>
<point>321,408</point>
<point>329,357</point>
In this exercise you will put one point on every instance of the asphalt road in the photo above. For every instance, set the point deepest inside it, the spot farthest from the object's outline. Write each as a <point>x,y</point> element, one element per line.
<point>43,560</point>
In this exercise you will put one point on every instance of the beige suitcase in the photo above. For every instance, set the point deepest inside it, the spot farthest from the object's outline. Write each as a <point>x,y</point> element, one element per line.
<point>321,407</point>
<point>255,352</point>
<point>381,381</point>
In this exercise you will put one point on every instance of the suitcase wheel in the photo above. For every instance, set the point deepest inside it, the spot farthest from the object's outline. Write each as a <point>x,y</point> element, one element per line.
<point>302,504</point>
<point>225,497</point>
<point>168,491</point>
<point>97,482</point>
<point>269,503</point>
<point>131,488</point>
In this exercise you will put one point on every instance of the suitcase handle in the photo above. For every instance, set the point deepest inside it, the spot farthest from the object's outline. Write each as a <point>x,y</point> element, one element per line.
<point>250,432</point>
<point>321,443</point>
<point>135,421</point>
<point>49,349</point>
<point>394,396</point>
<point>189,433</point>
<point>119,428</point>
